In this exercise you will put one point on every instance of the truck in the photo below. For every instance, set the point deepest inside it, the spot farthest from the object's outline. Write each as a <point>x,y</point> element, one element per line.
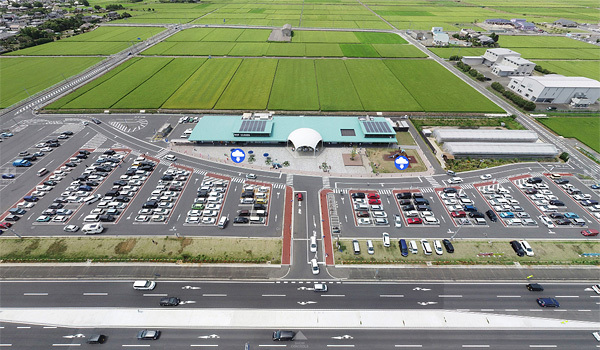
<point>21,163</point>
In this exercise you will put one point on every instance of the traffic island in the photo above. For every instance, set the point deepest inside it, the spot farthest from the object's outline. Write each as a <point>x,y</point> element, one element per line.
<point>142,249</point>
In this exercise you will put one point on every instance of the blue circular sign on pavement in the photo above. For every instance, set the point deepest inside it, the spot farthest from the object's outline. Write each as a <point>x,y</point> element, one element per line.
<point>401,163</point>
<point>237,155</point>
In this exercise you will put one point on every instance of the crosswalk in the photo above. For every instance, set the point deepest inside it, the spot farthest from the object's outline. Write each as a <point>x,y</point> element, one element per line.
<point>279,186</point>
<point>163,152</point>
<point>326,183</point>
<point>432,181</point>
<point>238,180</point>
<point>95,142</point>
<point>427,190</point>
<point>199,171</point>
<point>289,180</point>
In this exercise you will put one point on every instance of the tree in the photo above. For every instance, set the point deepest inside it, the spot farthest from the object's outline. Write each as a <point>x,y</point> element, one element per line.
<point>38,4</point>
<point>85,3</point>
<point>564,156</point>
<point>98,7</point>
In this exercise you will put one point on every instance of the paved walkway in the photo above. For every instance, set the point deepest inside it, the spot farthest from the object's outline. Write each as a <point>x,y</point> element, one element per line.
<point>282,319</point>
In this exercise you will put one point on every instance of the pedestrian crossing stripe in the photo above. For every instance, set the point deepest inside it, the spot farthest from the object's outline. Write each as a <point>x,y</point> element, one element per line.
<point>199,172</point>
<point>238,179</point>
<point>326,183</point>
<point>289,180</point>
<point>279,186</point>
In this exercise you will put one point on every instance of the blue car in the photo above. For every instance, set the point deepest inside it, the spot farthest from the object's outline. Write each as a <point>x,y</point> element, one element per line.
<point>6,134</point>
<point>571,216</point>
<point>596,186</point>
<point>548,302</point>
<point>8,176</point>
<point>507,215</point>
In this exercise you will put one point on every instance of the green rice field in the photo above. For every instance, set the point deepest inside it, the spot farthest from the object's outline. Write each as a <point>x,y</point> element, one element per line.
<point>585,129</point>
<point>589,69</point>
<point>24,76</point>
<point>278,84</point>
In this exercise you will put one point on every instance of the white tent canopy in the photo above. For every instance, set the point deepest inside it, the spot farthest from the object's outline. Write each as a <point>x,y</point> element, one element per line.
<point>305,137</point>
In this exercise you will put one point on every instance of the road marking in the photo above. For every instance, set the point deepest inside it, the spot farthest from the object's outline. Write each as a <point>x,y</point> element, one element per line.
<point>487,310</point>
<point>333,295</point>
<point>214,295</point>
<point>69,345</point>
<point>5,345</point>
<point>273,295</point>
<point>408,346</point>
<point>566,296</point>
<point>95,293</point>
<point>508,296</point>
<point>155,295</point>
<point>339,346</point>
<point>449,296</point>
<point>273,345</point>
<point>584,310</point>
<point>475,346</point>
<point>542,346</point>
<point>391,296</point>
<point>204,345</point>
<point>50,327</point>
<point>136,346</point>
<point>35,294</point>
<point>511,310</point>
<point>23,327</point>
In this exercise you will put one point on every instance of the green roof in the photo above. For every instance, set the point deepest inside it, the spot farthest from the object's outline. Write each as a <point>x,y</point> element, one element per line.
<point>222,128</point>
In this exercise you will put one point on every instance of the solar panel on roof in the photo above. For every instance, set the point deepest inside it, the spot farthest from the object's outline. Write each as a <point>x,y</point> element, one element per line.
<point>253,125</point>
<point>376,127</point>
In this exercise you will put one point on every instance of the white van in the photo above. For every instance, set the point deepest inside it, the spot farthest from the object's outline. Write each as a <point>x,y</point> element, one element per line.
<point>426,247</point>
<point>91,218</point>
<point>92,229</point>
<point>412,246</point>
<point>314,266</point>
<point>247,201</point>
<point>313,244</point>
<point>144,285</point>
<point>430,220</point>
<point>257,220</point>
<point>214,200</point>
<point>370,248</point>
<point>261,213</point>
<point>223,222</point>
<point>356,247</point>
<point>386,239</point>
<point>261,195</point>
<point>42,172</point>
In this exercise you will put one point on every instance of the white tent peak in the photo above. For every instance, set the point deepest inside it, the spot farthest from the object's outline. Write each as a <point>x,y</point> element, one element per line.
<point>305,137</point>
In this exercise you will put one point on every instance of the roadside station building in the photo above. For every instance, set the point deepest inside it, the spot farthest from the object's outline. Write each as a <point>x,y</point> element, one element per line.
<point>302,133</point>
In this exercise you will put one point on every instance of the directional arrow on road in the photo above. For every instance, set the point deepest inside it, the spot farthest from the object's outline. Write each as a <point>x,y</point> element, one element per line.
<point>340,337</point>
<point>212,336</point>
<point>306,302</point>
<point>425,303</point>
<point>188,302</point>
<point>304,288</point>
<point>419,288</point>
<point>190,287</point>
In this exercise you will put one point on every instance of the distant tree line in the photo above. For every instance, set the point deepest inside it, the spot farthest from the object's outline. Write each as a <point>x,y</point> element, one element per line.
<point>471,71</point>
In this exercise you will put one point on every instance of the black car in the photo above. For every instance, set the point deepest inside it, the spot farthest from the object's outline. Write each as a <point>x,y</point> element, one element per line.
<point>563,222</point>
<point>71,165</point>
<point>169,301</point>
<point>150,205</point>
<point>91,183</point>
<point>103,169</point>
<point>202,193</point>
<point>358,195</point>
<point>107,218</point>
<point>408,207</point>
<point>175,188</point>
<point>403,195</point>
<point>448,245</point>
<point>244,213</point>
<point>240,220</point>
<point>120,183</point>
<point>97,339</point>
<point>405,202</point>
<point>50,183</point>
<point>450,190</point>
<point>417,195</point>
<point>531,191</point>
<point>112,193</point>
<point>259,207</point>
<point>82,178</point>
<point>68,133</point>
<point>123,199</point>
<point>130,172</point>
<point>17,211</point>
<point>517,247</point>
<point>557,203</point>
<point>49,141</point>
<point>109,152</point>
<point>54,144</point>
<point>84,151</point>
<point>423,207</point>
<point>248,194</point>
<point>96,121</point>
<point>81,156</point>
<point>561,181</point>
<point>362,214</point>
<point>476,215</point>
<point>30,158</point>
<point>534,180</point>
<point>557,216</point>
<point>146,167</point>
<point>283,335</point>
<point>421,201</point>
<point>490,214</point>
<point>167,178</point>
<point>534,287</point>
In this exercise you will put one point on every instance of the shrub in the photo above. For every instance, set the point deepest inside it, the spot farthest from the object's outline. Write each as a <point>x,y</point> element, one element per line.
<point>498,87</point>
<point>564,156</point>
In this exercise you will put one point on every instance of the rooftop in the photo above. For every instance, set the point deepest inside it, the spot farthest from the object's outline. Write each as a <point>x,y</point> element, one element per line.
<point>557,80</point>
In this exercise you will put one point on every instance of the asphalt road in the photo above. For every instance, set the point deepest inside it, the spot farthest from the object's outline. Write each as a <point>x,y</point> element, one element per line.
<point>14,336</point>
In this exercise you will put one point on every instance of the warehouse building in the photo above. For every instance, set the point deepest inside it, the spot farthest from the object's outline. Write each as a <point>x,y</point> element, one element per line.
<point>484,135</point>
<point>500,150</point>
<point>554,88</point>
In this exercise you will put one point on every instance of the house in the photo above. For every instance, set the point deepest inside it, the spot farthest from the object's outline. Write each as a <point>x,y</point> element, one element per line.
<point>525,26</point>
<point>498,21</point>
<point>555,88</point>
<point>441,39</point>
<point>283,34</point>
<point>565,23</point>
<point>287,30</point>
<point>437,30</point>
<point>485,40</point>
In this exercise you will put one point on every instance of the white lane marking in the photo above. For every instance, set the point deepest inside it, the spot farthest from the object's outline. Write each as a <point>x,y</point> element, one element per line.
<point>92,294</point>
<point>508,296</point>
<point>391,296</point>
<point>50,327</point>
<point>475,346</point>
<point>449,296</point>
<point>340,346</point>
<point>566,296</point>
<point>542,346</point>
<point>155,295</point>
<point>136,346</point>
<point>23,327</point>
<point>5,345</point>
<point>35,294</point>
<point>273,295</point>
<point>487,310</point>
<point>66,344</point>
<point>333,295</point>
<point>511,310</point>
<point>204,345</point>
<point>273,345</point>
<point>408,346</point>
<point>214,295</point>
<point>584,310</point>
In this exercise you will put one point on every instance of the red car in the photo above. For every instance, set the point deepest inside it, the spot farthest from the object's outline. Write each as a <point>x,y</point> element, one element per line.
<point>411,221</point>
<point>374,201</point>
<point>5,225</point>
<point>458,214</point>
<point>373,196</point>
<point>589,232</point>
<point>299,196</point>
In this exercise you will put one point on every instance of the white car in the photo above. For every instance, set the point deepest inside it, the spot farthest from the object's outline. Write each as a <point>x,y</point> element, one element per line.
<point>25,205</point>
<point>194,212</point>
<point>71,228</point>
<point>46,149</point>
<point>209,221</point>
<point>320,287</point>
<point>60,218</point>
<point>412,214</point>
<point>40,145</point>
<point>170,157</point>
<point>364,221</point>
<point>386,239</point>
<point>251,176</point>
<point>142,218</point>
<point>485,176</point>
<point>546,220</point>
<point>192,220</point>
<point>213,206</point>
<point>210,213</point>
<point>379,214</point>
<point>144,285</point>
<point>527,248</point>
<point>158,218</point>
<point>455,180</point>
<point>437,245</point>
<point>397,221</point>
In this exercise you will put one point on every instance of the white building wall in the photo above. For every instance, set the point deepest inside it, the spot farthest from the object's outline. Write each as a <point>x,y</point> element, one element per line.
<point>534,90</point>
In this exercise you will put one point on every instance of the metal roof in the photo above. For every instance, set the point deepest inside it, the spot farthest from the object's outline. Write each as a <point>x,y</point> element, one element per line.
<point>487,135</point>
<point>506,149</point>
<point>559,81</point>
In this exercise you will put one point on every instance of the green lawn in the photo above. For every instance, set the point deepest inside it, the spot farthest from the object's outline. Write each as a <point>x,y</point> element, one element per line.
<point>398,50</point>
<point>589,69</point>
<point>73,48</point>
<point>116,34</point>
<point>295,86</point>
<point>511,41</point>
<point>358,50</point>
<point>24,76</point>
<point>204,88</point>
<point>585,129</point>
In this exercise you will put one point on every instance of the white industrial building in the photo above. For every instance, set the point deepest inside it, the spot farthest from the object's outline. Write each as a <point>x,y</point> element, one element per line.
<point>506,62</point>
<point>492,56</point>
<point>554,88</point>
<point>500,150</point>
<point>484,135</point>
